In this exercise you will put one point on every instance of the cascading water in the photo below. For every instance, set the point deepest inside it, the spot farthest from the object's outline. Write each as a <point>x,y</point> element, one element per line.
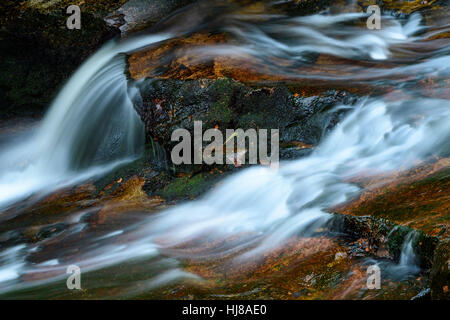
<point>92,123</point>
<point>90,128</point>
<point>408,264</point>
<point>376,137</point>
<point>408,258</point>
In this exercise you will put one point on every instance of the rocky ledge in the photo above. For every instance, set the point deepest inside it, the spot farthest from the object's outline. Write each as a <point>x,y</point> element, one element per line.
<point>166,105</point>
<point>38,53</point>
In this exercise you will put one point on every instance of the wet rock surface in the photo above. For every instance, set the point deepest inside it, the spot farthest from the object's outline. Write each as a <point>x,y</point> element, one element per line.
<point>136,15</point>
<point>416,198</point>
<point>166,105</point>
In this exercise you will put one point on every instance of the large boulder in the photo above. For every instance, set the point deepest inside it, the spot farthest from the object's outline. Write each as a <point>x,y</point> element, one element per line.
<point>165,105</point>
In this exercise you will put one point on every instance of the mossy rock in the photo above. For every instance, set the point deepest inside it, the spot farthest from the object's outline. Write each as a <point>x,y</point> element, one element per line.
<point>440,273</point>
<point>166,105</point>
<point>423,244</point>
<point>188,187</point>
<point>382,233</point>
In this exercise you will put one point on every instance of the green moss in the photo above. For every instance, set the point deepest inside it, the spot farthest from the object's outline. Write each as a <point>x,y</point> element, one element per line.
<point>220,112</point>
<point>222,89</point>
<point>188,187</point>
<point>423,244</point>
<point>395,240</point>
<point>175,188</point>
<point>224,86</point>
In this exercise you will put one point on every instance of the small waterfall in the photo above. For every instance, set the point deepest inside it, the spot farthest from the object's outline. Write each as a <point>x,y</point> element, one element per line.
<point>408,264</point>
<point>408,258</point>
<point>99,126</point>
<point>90,128</point>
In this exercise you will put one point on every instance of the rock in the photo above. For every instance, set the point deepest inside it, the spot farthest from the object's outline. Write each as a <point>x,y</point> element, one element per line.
<point>382,238</point>
<point>415,197</point>
<point>440,273</point>
<point>38,53</point>
<point>303,7</point>
<point>138,14</point>
<point>402,9</point>
<point>166,105</point>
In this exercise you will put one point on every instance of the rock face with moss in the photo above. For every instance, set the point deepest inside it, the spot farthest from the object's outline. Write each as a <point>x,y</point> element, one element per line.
<point>167,105</point>
<point>384,238</point>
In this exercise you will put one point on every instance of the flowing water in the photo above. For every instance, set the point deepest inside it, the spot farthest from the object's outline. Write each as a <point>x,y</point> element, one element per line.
<point>92,127</point>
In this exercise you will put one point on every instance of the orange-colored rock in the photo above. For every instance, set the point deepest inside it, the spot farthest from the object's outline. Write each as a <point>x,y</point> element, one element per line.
<point>418,198</point>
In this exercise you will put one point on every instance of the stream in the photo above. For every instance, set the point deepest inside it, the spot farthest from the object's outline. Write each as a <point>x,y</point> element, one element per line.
<point>211,246</point>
